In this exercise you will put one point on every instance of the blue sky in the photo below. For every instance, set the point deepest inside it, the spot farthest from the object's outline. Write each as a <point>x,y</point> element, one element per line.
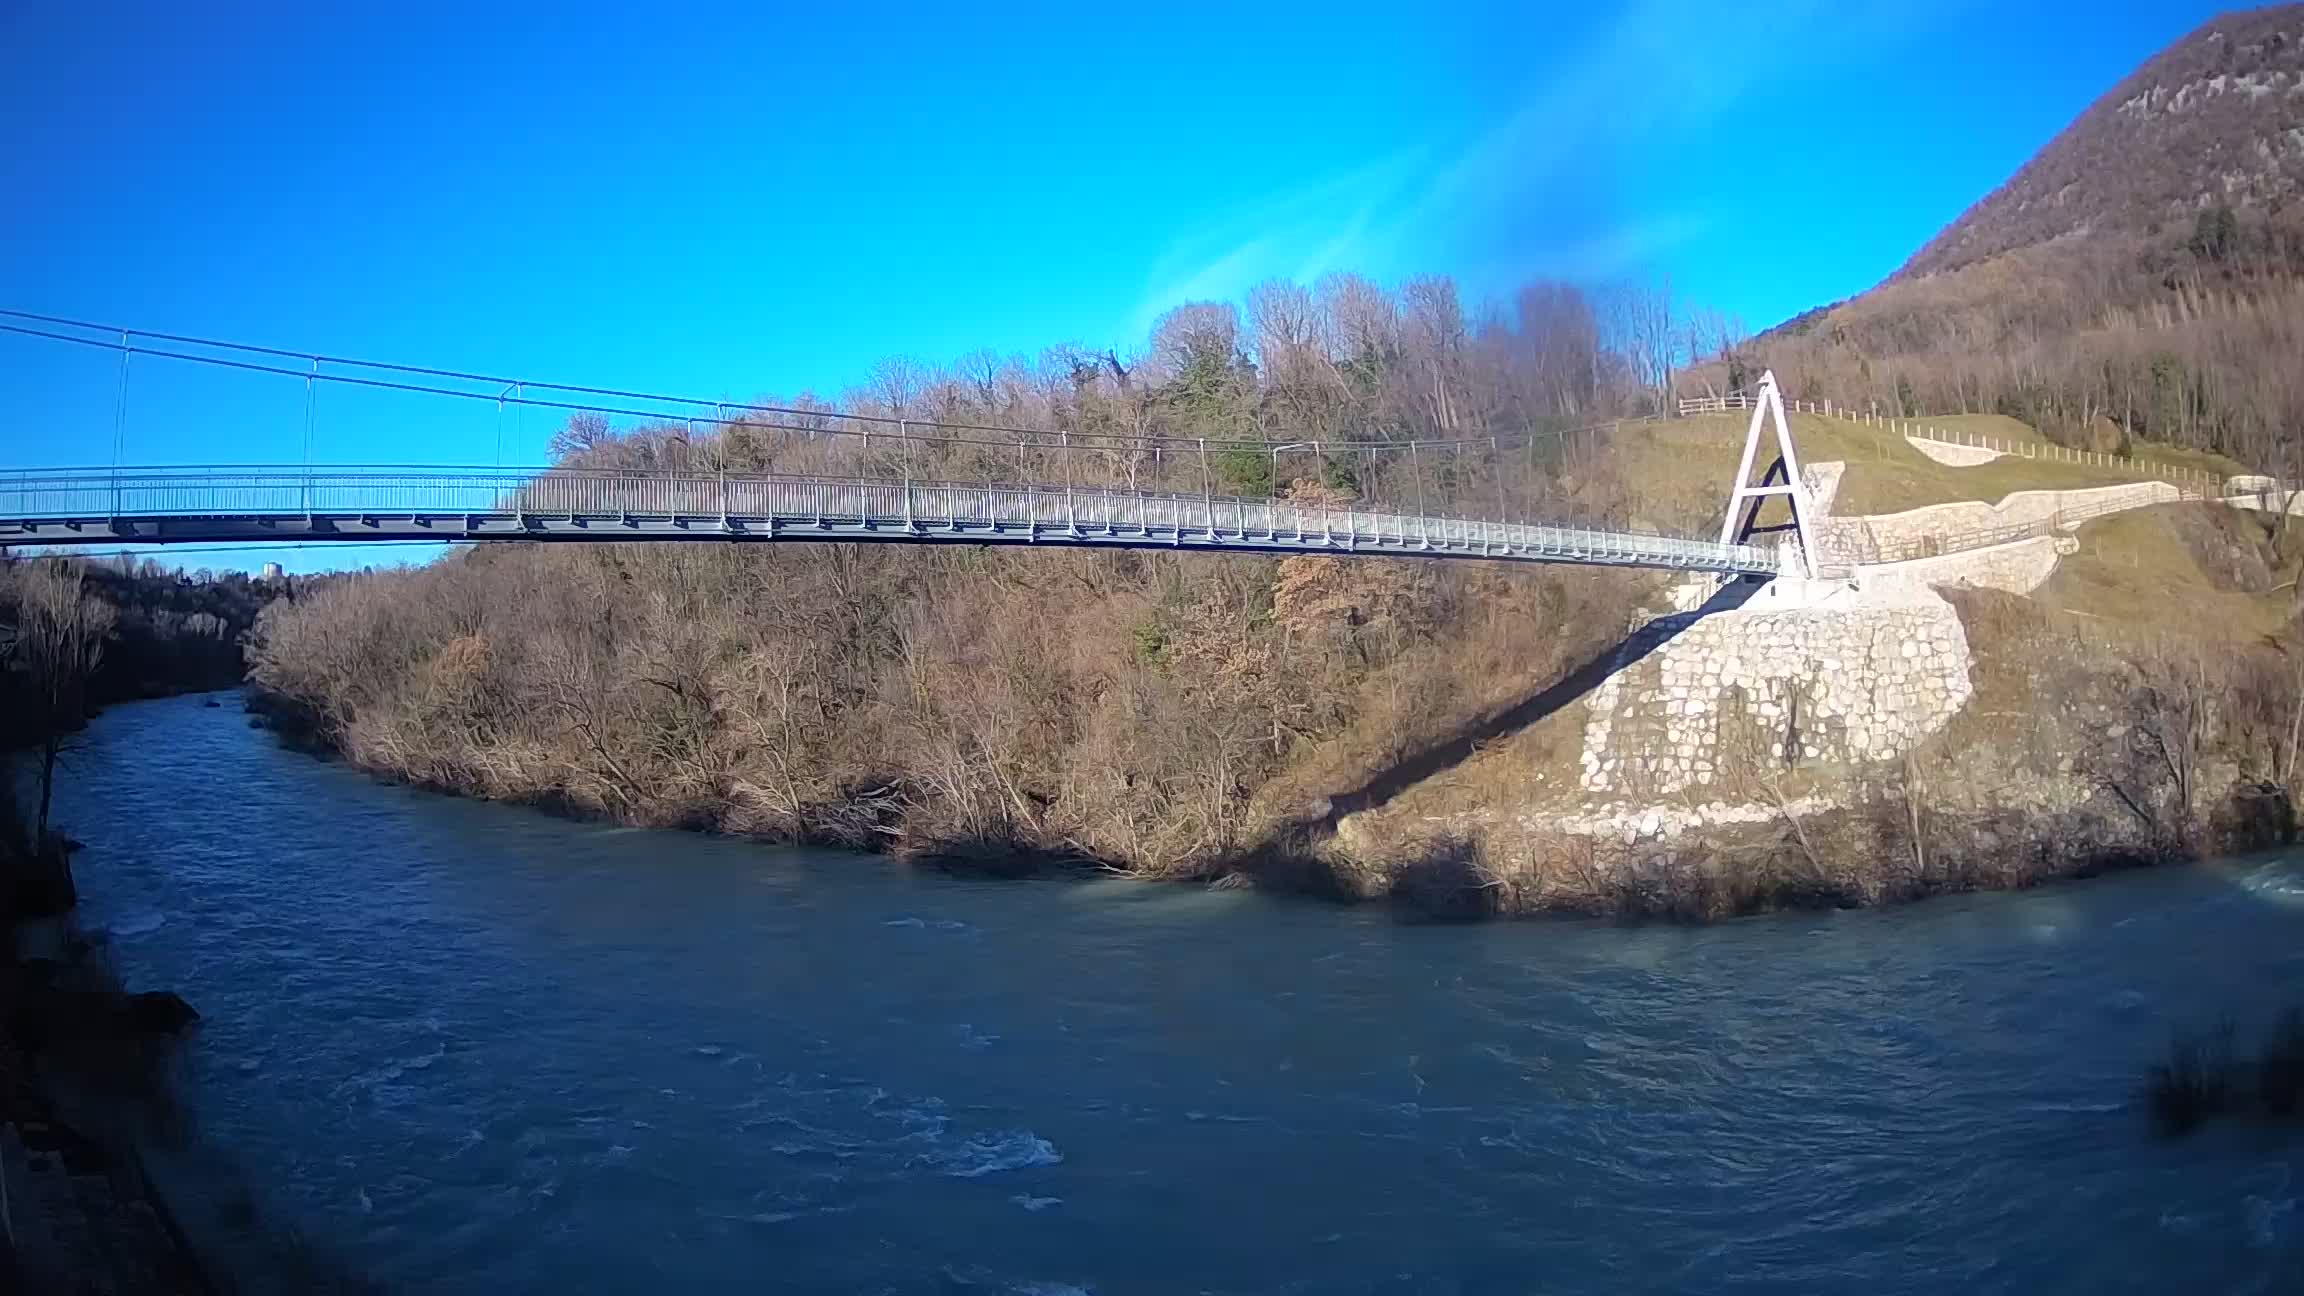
<point>741,200</point>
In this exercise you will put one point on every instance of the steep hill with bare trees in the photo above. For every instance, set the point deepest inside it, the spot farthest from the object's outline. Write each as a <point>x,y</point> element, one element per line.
<point>2143,276</point>
<point>2215,120</point>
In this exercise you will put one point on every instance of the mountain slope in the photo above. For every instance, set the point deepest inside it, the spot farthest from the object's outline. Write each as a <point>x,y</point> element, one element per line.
<point>2143,276</point>
<point>2216,118</point>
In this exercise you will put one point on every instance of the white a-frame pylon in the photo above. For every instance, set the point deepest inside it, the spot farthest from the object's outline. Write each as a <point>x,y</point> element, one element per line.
<point>1781,478</point>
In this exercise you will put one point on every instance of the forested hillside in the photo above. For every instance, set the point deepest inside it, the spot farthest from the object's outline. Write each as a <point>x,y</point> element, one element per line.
<point>2215,121</point>
<point>1158,713</point>
<point>2142,276</point>
<point>164,630</point>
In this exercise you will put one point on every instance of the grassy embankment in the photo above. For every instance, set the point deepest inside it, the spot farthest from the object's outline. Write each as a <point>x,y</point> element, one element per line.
<point>2172,622</point>
<point>1689,462</point>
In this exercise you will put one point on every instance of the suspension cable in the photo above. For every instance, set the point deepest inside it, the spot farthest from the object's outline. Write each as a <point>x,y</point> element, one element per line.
<point>128,345</point>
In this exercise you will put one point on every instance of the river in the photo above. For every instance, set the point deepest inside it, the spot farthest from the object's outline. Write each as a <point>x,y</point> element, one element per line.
<point>473,1048</point>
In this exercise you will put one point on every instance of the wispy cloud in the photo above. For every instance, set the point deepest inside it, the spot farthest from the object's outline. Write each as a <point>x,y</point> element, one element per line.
<point>1540,191</point>
<point>1340,221</point>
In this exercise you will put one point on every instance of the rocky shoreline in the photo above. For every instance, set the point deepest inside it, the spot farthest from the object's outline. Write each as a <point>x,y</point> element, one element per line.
<point>82,1213</point>
<point>91,1110</point>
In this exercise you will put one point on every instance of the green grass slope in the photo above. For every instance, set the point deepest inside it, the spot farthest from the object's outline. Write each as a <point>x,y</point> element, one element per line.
<point>1684,465</point>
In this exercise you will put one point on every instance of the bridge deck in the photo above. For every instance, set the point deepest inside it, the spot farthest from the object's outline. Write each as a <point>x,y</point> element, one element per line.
<point>183,505</point>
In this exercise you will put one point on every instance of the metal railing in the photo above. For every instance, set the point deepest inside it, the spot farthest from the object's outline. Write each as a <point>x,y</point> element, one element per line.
<point>1855,541</point>
<point>2186,479</point>
<point>99,505</point>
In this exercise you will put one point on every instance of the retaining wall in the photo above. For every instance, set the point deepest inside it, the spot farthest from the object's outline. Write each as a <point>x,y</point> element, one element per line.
<point>1962,517</point>
<point>1951,453</point>
<point>1698,700</point>
<point>2018,568</point>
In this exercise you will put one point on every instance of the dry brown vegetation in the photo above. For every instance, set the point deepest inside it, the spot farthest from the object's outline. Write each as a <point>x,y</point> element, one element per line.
<point>2146,705</point>
<point>1150,712</point>
<point>60,633</point>
<point>2160,668</point>
<point>2096,342</point>
<point>1194,716</point>
<point>2205,1077</point>
<point>1161,714</point>
<point>1198,716</point>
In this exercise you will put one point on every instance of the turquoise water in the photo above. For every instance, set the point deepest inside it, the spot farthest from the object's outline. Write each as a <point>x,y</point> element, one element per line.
<point>477,1049</point>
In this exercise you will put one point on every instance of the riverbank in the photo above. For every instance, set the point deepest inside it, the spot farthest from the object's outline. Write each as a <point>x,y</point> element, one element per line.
<point>2067,760</point>
<point>91,1092</point>
<point>82,1214</point>
<point>1459,740</point>
<point>1854,845</point>
<point>164,633</point>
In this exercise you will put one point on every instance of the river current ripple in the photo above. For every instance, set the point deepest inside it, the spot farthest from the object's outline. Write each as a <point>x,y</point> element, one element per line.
<point>473,1048</point>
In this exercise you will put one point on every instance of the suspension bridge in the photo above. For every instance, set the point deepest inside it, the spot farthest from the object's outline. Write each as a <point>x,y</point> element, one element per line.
<point>731,472</point>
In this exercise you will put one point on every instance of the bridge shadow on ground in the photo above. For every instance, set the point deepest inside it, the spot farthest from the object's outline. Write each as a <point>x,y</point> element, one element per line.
<point>1291,846</point>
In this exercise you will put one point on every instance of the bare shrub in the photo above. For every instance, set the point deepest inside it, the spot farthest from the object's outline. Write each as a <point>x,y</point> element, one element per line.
<point>2205,1077</point>
<point>1448,880</point>
<point>2195,1083</point>
<point>2280,1067</point>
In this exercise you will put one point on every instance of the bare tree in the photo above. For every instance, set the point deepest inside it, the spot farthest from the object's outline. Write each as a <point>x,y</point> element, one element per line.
<point>2152,761</point>
<point>1645,336</point>
<point>1561,337</point>
<point>897,387</point>
<point>61,629</point>
<point>585,435</point>
<point>1436,337</point>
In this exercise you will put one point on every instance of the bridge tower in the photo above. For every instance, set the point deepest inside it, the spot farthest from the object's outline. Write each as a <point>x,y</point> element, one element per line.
<point>1781,478</point>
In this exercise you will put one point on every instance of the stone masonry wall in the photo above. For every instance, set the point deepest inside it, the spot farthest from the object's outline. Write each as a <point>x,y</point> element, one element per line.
<point>1699,700</point>
<point>1969,516</point>
<point>1823,483</point>
<point>1951,453</point>
<point>2018,568</point>
<point>2262,495</point>
<point>1847,675</point>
